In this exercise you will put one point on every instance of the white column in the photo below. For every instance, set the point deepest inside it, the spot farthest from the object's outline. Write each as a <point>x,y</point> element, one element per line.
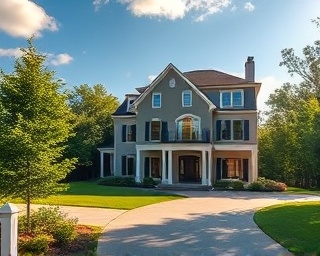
<point>253,172</point>
<point>101,164</point>
<point>163,173</point>
<point>209,168</point>
<point>204,168</point>
<point>170,167</point>
<point>138,178</point>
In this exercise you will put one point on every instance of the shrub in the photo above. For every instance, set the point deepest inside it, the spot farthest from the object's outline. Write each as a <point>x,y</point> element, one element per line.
<point>229,184</point>
<point>149,182</point>
<point>256,186</point>
<point>222,184</point>
<point>263,184</point>
<point>47,222</point>
<point>237,184</point>
<point>118,181</point>
<point>35,244</point>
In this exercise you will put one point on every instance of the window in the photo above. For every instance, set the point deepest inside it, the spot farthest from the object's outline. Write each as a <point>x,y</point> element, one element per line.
<point>231,98</point>
<point>232,168</point>
<point>152,167</point>
<point>128,133</point>
<point>188,128</point>
<point>232,129</point>
<point>156,100</point>
<point>155,130</point>
<point>187,98</point>
<point>128,165</point>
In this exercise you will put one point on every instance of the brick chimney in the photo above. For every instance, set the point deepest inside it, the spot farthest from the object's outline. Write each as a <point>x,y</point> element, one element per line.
<point>249,67</point>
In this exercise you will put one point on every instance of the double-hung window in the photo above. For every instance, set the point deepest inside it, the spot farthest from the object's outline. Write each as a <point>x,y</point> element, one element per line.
<point>156,100</point>
<point>187,98</point>
<point>128,165</point>
<point>232,129</point>
<point>128,133</point>
<point>229,99</point>
<point>155,130</point>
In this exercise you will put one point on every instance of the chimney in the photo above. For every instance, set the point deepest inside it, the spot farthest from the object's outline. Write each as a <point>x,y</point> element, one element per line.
<point>249,67</point>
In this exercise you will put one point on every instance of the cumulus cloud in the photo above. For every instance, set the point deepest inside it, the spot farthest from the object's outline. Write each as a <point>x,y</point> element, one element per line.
<point>11,52</point>
<point>151,78</point>
<point>249,6</point>
<point>23,18</point>
<point>60,59</point>
<point>171,9</point>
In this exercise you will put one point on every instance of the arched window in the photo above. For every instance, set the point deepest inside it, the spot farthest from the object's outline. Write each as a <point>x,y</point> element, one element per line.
<point>188,127</point>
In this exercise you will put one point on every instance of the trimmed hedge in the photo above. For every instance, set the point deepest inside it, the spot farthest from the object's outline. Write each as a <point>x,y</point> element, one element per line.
<point>118,181</point>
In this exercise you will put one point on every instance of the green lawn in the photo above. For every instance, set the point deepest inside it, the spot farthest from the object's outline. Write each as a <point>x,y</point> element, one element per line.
<point>296,226</point>
<point>91,194</point>
<point>294,190</point>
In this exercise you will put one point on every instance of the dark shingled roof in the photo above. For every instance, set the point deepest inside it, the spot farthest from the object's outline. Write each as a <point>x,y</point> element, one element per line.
<point>122,110</point>
<point>202,78</point>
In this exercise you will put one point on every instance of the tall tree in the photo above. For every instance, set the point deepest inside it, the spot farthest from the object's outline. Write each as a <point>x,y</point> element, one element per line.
<point>34,127</point>
<point>92,107</point>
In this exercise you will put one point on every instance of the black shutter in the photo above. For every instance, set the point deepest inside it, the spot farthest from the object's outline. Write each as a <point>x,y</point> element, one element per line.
<point>147,131</point>
<point>246,169</point>
<point>164,131</point>
<point>124,133</point>
<point>124,165</point>
<point>228,125</point>
<point>218,130</point>
<point>218,169</point>
<point>246,129</point>
<point>147,167</point>
<point>134,128</point>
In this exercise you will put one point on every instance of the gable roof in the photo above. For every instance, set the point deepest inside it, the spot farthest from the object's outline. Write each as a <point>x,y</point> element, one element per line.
<point>203,78</point>
<point>145,90</point>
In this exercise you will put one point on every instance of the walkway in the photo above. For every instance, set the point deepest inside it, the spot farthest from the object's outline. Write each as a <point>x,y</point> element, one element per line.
<point>207,223</point>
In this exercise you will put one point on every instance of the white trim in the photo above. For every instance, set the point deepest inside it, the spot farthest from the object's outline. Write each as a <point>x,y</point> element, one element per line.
<point>154,94</point>
<point>184,92</point>
<point>175,147</point>
<point>235,147</point>
<point>232,86</point>
<point>194,117</point>
<point>124,116</point>
<point>235,112</point>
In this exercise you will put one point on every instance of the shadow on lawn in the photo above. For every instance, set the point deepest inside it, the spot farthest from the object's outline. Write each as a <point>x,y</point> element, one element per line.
<point>227,233</point>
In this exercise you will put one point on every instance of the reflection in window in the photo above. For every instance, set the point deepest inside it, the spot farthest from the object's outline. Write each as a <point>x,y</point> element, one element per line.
<point>188,128</point>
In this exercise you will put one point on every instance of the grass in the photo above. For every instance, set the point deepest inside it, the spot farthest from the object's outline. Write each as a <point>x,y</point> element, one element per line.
<point>296,226</point>
<point>90,194</point>
<point>294,190</point>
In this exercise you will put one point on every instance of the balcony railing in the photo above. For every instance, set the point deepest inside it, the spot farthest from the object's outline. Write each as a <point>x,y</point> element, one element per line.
<point>175,137</point>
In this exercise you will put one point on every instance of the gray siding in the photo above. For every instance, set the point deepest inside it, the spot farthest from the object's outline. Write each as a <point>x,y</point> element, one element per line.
<point>171,106</point>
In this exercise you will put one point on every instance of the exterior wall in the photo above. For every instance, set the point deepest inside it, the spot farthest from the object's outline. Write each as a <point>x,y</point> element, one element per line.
<point>253,119</point>
<point>249,97</point>
<point>171,106</point>
<point>122,148</point>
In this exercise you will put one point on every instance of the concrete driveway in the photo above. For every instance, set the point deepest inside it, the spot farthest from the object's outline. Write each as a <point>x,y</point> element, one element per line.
<point>206,223</point>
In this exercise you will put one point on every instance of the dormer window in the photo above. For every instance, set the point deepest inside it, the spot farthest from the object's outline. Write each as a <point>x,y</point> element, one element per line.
<point>229,99</point>
<point>129,106</point>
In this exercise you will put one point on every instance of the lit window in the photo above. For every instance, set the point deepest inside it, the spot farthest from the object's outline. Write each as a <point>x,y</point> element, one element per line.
<point>188,128</point>
<point>231,98</point>
<point>187,98</point>
<point>156,100</point>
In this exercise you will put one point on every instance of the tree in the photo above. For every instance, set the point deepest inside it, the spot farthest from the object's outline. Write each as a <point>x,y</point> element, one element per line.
<point>92,108</point>
<point>34,126</point>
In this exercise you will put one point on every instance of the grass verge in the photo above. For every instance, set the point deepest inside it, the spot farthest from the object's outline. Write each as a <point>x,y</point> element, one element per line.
<point>294,225</point>
<point>90,194</point>
<point>294,190</point>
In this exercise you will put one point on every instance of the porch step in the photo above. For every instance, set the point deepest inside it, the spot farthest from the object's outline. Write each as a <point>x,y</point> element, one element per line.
<point>183,187</point>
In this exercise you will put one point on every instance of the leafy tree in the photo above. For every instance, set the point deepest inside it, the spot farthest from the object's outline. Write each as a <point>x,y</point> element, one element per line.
<point>34,126</point>
<point>92,107</point>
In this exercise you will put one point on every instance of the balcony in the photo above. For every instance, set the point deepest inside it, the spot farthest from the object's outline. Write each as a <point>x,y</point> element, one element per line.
<point>173,136</point>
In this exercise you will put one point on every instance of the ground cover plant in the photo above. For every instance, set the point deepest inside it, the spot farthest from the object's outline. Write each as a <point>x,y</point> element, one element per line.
<point>90,194</point>
<point>294,225</point>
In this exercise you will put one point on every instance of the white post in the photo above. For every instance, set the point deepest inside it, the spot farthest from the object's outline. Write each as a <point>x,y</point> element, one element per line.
<point>204,168</point>
<point>101,164</point>
<point>170,167</point>
<point>9,229</point>
<point>138,178</point>
<point>209,168</point>
<point>163,173</point>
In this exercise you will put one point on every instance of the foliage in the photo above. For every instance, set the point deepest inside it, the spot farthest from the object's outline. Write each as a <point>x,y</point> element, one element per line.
<point>119,181</point>
<point>51,222</point>
<point>149,182</point>
<point>34,127</point>
<point>299,233</point>
<point>35,245</point>
<point>289,140</point>
<point>229,184</point>
<point>263,184</point>
<point>92,108</point>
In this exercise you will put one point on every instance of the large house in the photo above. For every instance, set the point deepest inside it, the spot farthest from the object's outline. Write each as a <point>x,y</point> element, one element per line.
<point>187,127</point>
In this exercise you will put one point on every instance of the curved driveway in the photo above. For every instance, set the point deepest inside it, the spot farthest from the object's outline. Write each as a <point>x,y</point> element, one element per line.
<point>206,223</point>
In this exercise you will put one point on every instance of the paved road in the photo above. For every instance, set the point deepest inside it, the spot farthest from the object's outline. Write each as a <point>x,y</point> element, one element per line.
<point>207,223</point>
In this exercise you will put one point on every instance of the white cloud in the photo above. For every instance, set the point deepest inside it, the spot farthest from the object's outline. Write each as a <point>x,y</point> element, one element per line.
<point>269,85</point>
<point>171,9</point>
<point>23,18</point>
<point>233,8</point>
<point>11,52</point>
<point>151,78</point>
<point>60,59</point>
<point>249,6</point>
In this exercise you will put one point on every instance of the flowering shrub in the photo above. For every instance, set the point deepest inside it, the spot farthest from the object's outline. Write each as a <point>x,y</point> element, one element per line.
<point>263,184</point>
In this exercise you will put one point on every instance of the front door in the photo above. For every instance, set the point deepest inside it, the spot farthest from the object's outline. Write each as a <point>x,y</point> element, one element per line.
<point>189,169</point>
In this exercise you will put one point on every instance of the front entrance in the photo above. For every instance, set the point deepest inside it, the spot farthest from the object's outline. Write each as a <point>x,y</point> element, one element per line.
<point>189,169</point>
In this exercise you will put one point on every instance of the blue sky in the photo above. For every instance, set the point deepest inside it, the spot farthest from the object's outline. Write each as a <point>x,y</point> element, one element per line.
<point>123,44</point>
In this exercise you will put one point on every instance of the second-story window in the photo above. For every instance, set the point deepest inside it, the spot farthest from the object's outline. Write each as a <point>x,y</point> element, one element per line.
<point>232,129</point>
<point>156,100</point>
<point>187,98</point>
<point>128,133</point>
<point>155,130</point>
<point>230,99</point>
